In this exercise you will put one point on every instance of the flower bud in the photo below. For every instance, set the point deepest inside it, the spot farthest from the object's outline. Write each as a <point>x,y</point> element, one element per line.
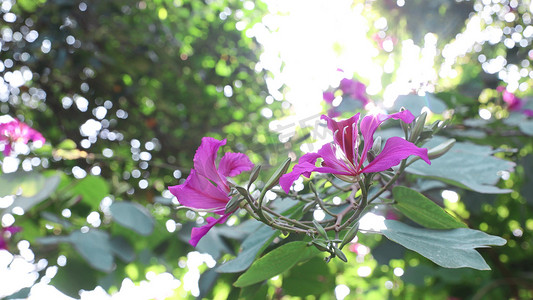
<point>277,174</point>
<point>418,128</point>
<point>320,229</point>
<point>340,254</point>
<point>233,204</point>
<point>348,237</point>
<point>376,147</point>
<point>320,245</point>
<point>441,149</point>
<point>253,175</point>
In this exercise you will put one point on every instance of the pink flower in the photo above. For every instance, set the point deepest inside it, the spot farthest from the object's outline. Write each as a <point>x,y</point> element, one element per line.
<point>345,159</point>
<point>16,131</point>
<point>528,112</point>
<point>7,233</point>
<point>207,186</point>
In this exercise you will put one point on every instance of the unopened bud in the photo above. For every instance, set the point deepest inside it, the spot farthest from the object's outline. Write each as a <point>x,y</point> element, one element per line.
<point>277,174</point>
<point>233,204</point>
<point>441,149</point>
<point>320,245</point>
<point>242,191</point>
<point>418,128</point>
<point>254,175</point>
<point>376,147</point>
<point>320,229</point>
<point>350,235</point>
<point>340,254</point>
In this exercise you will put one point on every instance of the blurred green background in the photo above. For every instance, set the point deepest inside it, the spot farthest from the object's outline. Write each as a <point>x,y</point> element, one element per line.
<point>124,91</point>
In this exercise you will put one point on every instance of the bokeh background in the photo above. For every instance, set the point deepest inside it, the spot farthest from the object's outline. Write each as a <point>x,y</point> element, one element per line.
<point>124,91</point>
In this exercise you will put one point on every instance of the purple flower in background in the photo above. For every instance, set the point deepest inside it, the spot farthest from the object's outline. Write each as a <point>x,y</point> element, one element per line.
<point>16,131</point>
<point>207,186</point>
<point>513,102</point>
<point>333,113</point>
<point>7,233</point>
<point>343,158</point>
<point>328,97</point>
<point>354,89</point>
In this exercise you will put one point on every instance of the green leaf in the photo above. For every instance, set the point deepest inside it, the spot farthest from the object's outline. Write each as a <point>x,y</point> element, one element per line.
<point>95,247</point>
<point>258,291</point>
<point>276,262</point>
<point>423,211</point>
<point>92,189</point>
<point>122,248</point>
<point>133,216</point>
<point>310,278</point>
<point>448,248</point>
<point>35,189</point>
<point>259,239</point>
<point>252,246</point>
<point>466,165</point>
<point>52,240</point>
<point>526,127</point>
<point>73,277</point>
<point>25,184</point>
<point>22,294</point>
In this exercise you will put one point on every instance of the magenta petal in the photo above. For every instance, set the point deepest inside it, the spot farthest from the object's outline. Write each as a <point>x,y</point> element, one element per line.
<point>198,192</point>
<point>204,160</point>
<point>396,149</point>
<point>309,157</point>
<point>370,124</point>
<point>305,166</point>
<point>288,179</point>
<point>198,232</point>
<point>232,164</point>
<point>406,116</point>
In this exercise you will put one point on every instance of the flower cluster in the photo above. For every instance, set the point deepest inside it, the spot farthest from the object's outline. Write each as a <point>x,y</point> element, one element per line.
<point>207,186</point>
<point>346,156</point>
<point>351,154</point>
<point>17,132</point>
